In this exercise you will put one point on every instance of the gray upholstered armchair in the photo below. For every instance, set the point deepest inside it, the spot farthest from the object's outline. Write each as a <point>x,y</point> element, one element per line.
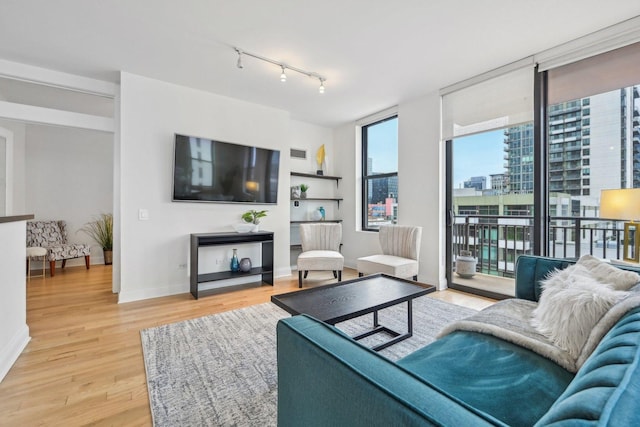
<point>52,235</point>
<point>320,250</point>
<point>400,252</point>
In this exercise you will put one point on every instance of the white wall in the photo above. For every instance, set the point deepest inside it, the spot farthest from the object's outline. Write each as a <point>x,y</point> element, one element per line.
<point>420,181</point>
<point>14,333</point>
<point>69,176</point>
<point>154,252</point>
<point>18,181</point>
<point>310,137</point>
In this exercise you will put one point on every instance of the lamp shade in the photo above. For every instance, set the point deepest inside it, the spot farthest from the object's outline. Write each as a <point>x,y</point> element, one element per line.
<point>623,203</point>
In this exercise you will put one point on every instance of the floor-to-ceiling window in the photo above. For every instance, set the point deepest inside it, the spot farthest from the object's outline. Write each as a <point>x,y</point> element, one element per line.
<point>546,198</point>
<point>489,128</point>
<point>593,133</point>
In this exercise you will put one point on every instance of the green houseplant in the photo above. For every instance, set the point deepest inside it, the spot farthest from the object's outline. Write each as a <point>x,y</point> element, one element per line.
<point>101,230</point>
<point>303,191</point>
<point>253,217</point>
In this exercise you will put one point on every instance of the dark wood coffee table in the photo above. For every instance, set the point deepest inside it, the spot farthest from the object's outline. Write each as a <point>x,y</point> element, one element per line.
<point>354,298</point>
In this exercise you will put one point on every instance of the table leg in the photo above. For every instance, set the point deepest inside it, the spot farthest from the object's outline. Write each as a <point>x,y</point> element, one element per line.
<point>409,318</point>
<point>375,319</point>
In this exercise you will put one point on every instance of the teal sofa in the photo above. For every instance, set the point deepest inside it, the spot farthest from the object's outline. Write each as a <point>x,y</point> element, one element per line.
<point>462,379</point>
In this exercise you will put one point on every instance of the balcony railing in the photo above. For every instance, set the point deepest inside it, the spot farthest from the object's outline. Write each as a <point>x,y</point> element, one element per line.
<point>498,240</point>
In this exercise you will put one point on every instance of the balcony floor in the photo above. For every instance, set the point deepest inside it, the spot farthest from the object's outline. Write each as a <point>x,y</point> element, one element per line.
<point>486,282</point>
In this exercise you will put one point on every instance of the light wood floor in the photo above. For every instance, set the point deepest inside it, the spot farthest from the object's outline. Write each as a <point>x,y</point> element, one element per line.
<point>84,362</point>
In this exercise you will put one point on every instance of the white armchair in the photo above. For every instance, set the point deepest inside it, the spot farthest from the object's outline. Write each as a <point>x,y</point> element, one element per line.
<point>400,252</point>
<point>320,250</point>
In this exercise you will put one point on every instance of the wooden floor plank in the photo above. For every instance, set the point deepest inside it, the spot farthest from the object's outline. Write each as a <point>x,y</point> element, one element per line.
<point>84,363</point>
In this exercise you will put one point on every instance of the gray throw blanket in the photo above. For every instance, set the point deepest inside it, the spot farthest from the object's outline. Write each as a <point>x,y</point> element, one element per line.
<point>510,320</point>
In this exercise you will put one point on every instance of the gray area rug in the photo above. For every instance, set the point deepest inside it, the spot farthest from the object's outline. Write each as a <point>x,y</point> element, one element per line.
<point>220,370</point>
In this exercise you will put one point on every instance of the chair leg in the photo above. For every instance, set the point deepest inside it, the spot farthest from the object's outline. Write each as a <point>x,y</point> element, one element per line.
<point>415,277</point>
<point>335,274</point>
<point>360,274</point>
<point>339,275</point>
<point>306,273</point>
<point>86,261</point>
<point>52,268</point>
<point>64,262</point>
<point>299,278</point>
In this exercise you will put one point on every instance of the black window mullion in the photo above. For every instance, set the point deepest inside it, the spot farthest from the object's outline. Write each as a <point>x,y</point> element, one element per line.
<point>540,166</point>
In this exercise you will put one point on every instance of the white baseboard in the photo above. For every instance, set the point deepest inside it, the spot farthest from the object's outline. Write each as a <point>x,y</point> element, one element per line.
<point>10,353</point>
<point>282,272</point>
<point>141,294</point>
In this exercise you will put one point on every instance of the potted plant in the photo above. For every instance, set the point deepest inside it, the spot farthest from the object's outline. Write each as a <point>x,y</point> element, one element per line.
<point>303,191</point>
<point>101,230</point>
<point>253,217</point>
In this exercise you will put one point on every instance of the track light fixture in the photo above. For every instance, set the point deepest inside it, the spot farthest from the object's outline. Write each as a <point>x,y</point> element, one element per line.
<point>283,67</point>
<point>239,63</point>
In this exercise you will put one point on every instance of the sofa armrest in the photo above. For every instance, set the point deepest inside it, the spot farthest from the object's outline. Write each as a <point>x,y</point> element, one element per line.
<point>606,390</point>
<point>326,378</point>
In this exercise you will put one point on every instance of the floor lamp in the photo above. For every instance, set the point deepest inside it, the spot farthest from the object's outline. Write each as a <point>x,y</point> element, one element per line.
<point>624,204</point>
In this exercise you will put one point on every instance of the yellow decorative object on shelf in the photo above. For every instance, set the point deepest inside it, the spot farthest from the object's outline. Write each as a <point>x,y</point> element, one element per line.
<point>320,159</point>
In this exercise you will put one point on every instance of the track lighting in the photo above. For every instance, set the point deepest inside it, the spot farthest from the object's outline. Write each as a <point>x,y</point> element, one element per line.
<point>239,63</point>
<point>283,67</point>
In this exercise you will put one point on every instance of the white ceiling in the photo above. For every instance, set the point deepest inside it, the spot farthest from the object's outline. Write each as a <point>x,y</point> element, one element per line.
<point>374,53</point>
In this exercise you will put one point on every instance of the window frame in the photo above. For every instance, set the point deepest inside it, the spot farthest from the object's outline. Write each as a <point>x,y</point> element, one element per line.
<point>364,211</point>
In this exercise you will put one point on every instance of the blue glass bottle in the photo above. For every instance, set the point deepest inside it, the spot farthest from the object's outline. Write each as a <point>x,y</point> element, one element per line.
<point>235,264</point>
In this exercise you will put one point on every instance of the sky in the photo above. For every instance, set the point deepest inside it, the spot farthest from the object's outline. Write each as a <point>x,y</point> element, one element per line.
<point>478,155</point>
<point>382,141</point>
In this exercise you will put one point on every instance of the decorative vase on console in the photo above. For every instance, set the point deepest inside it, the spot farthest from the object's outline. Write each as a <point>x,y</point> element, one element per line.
<point>245,265</point>
<point>235,264</point>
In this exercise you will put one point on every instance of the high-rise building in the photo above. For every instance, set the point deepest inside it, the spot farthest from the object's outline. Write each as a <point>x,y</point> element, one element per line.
<point>594,144</point>
<point>519,156</point>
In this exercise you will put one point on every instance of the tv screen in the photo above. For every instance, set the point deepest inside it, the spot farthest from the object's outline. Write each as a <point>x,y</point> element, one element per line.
<point>205,170</point>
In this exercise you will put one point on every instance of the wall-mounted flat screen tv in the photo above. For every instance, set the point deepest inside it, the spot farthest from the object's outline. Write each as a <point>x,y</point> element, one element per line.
<point>206,170</point>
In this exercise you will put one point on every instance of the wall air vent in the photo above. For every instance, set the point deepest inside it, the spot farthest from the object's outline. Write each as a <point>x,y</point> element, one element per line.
<point>296,153</point>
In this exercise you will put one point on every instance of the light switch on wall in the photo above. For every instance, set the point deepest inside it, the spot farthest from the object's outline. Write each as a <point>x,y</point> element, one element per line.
<point>143,214</point>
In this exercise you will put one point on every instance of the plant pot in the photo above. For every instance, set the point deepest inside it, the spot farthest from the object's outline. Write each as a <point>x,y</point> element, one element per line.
<point>466,266</point>
<point>303,195</point>
<point>108,256</point>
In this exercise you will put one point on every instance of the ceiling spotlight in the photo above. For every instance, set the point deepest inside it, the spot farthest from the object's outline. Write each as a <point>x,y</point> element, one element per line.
<point>321,88</point>
<point>283,76</point>
<point>239,63</point>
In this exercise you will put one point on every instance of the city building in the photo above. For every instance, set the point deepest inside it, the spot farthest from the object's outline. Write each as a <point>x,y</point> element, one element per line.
<point>477,182</point>
<point>499,183</point>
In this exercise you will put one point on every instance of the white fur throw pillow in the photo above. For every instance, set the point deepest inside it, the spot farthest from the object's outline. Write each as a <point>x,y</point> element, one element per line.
<point>604,272</point>
<point>571,304</point>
